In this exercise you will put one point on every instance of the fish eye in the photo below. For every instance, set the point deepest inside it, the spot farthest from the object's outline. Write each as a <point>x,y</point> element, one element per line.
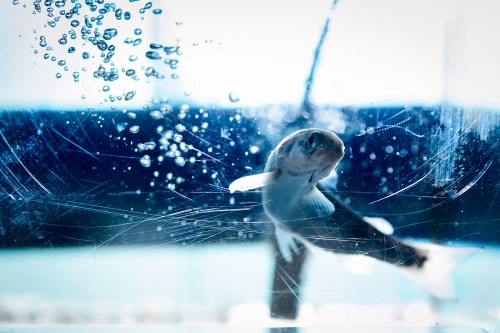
<point>311,139</point>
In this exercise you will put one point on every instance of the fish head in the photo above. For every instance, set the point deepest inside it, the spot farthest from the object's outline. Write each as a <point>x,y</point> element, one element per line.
<point>314,153</point>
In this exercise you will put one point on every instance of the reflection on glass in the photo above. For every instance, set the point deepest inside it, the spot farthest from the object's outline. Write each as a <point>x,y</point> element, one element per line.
<point>125,124</point>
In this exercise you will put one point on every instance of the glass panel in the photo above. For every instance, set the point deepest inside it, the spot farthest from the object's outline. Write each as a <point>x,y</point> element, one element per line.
<point>126,128</point>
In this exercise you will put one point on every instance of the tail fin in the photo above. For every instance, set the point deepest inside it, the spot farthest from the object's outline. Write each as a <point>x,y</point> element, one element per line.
<point>435,275</point>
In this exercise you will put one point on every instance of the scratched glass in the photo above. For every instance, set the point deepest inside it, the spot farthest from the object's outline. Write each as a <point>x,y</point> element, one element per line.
<point>155,173</point>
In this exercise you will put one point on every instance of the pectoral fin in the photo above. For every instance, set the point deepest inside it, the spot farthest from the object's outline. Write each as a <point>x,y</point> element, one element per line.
<point>251,182</point>
<point>380,224</point>
<point>286,243</point>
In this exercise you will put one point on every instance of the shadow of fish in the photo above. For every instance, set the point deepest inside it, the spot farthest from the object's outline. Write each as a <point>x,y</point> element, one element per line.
<point>303,214</point>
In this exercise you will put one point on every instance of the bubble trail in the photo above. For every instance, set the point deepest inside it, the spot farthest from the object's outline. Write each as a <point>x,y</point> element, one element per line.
<point>91,26</point>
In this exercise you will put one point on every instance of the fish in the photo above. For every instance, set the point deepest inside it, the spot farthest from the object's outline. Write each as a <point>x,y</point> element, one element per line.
<point>304,213</point>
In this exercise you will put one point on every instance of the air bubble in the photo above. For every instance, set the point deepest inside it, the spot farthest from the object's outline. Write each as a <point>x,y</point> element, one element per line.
<point>180,128</point>
<point>180,161</point>
<point>134,129</point>
<point>254,149</point>
<point>233,98</point>
<point>150,145</point>
<point>43,41</point>
<point>155,46</point>
<point>178,138</point>
<point>118,14</point>
<point>153,55</point>
<point>156,115</point>
<point>145,161</point>
<point>102,45</point>
<point>121,126</point>
<point>129,95</point>
<point>171,49</point>
<point>172,63</point>
<point>130,72</point>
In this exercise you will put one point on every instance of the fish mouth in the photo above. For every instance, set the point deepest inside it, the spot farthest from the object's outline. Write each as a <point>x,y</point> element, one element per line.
<point>329,155</point>
<point>321,173</point>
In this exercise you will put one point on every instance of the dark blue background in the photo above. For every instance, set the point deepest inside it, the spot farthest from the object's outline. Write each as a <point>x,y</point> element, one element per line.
<point>82,159</point>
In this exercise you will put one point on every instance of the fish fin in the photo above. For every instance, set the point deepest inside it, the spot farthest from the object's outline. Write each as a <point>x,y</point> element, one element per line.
<point>286,243</point>
<point>251,182</point>
<point>436,274</point>
<point>380,224</point>
<point>315,204</point>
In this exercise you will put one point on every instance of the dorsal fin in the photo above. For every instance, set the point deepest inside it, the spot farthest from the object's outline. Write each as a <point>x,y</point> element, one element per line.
<point>251,182</point>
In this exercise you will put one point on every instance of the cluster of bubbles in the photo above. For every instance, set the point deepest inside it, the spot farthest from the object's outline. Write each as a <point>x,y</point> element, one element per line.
<point>92,31</point>
<point>168,145</point>
<point>181,146</point>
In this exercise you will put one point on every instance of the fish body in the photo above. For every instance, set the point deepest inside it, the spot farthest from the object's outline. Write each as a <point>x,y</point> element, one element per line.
<point>297,164</point>
<point>304,215</point>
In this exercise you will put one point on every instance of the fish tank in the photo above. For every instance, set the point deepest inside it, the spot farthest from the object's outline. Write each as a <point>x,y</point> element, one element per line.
<point>136,140</point>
